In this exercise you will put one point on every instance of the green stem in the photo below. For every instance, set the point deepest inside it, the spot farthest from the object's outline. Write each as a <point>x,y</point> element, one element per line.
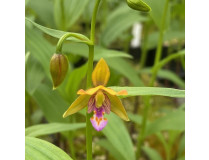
<point>144,45</point>
<point>93,21</point>
<point>65,36</point>
<point>88,82</point>
<point>162,29</point>
<point>147,99</point>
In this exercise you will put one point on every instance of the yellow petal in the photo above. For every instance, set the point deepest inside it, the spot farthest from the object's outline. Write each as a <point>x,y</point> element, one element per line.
<point>109,90</point>
<point>112,92</point>
<point>101,73</point>
<point>77,105</point>
<point>99,99</point>
<point>117,107</point>
<point>122,93</point>
<point>81,92</point>
<point>90,91</point>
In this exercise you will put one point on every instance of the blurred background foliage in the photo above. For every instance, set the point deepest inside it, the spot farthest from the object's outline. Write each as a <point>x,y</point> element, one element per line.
<point>130,65</point>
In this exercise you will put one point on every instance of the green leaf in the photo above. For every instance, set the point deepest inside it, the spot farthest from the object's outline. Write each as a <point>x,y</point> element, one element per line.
<point>51,103</point>
<point>100,52</point>
<point>40,48</point>
<point>119,21</point>
<point>135,118</point>
<point>37,149</point>
<point>157,91</point>
<point>172,121</point>
<point>57,33</point>
<point>119,137</point>
<point>109,147</point>
<point>166,74</point>
<point>151,153</point>
<point>67,12</point>
<point>73,83</point>
<point>43,9</point>
<point>34,75</point>
<point>45,129</point>
<point>125,69</point>
<point>157,8</point>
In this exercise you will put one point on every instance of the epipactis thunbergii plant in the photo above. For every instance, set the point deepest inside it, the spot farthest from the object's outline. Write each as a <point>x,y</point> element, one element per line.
<point>100,100</point>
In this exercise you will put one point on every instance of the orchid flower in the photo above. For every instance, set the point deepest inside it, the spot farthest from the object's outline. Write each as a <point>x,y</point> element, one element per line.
<point>100,100</point>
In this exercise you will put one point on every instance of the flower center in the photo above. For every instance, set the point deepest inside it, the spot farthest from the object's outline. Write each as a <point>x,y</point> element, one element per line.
<point>99,99</point>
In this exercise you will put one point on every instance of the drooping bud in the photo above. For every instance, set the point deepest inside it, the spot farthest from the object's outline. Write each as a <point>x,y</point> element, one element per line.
<point>58,69</point>
<point>138,5</point>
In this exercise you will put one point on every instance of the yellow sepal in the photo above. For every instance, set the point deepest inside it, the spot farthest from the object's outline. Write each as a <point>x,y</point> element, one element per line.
<point>117,107</point>
<point>92,91</point>
<point>77,105</point>
<point>101,73</point>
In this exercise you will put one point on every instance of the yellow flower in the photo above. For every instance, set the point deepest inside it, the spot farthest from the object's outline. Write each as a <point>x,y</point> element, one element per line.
<point>100,99</point>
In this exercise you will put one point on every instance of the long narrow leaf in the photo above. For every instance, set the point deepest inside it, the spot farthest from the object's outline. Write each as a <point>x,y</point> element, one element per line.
<point>57,33</point>
<point>44,129</point>
<point>157,91</point>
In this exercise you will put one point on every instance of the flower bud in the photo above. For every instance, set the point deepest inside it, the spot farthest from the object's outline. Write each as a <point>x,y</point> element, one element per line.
<point>138,5</point>
<point>58,69</point>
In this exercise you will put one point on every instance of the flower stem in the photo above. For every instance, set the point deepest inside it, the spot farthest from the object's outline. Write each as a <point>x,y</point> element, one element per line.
<point>67,35</point>
<point>88,82</point>
<point>147,99</point>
